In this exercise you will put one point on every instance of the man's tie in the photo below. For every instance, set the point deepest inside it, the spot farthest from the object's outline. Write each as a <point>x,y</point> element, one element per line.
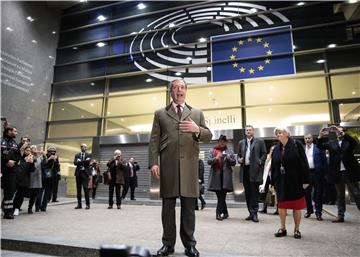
<point>82,156</point>
<point>131,171</point>
<point>179,112</point>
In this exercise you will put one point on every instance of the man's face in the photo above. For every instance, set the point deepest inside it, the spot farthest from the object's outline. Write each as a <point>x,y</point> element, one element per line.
<point>281,135</point>
<point>178,92</point>
<point>222,143</point>
<point>12,133</point>
<point>131,160</point>
<point>308,139</point>
<point>83,148</point>
<point>24,140</point>
<point>249,132</point>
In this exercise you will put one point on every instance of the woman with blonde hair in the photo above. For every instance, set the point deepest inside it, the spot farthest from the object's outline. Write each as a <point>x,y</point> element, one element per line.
<point>290,176</point>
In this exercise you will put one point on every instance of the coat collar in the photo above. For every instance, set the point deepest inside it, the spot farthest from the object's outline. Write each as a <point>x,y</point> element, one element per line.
<point>171,112</point>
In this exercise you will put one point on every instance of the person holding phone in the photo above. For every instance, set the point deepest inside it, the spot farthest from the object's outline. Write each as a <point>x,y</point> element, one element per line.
<point>221,160</point>
<point>343,166</point>
<point>290,176</point>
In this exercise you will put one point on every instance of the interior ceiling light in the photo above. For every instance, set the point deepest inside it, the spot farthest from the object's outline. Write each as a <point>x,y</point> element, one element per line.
<point>9,29</point>
<point>320,61</point>
<point>141,6</point>
<point>101,18</point>
<point>202,39</point>
<point>29,18</point>
<point>178,73</point>
<point>300,3</point>
<point>100,44</point>
<point>54,32</point>
<point>148,80</point>
<point>331,45</point>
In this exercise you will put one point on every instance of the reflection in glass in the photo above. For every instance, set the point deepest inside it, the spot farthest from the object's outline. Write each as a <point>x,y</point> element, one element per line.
<point>288,115</point>
<point>129,125</point>
<point>223,119</point>
<point>76,109</point>
<point>349,112</point>
<point>346,86</point>
<point>78,91</point>
<point>83,129</point>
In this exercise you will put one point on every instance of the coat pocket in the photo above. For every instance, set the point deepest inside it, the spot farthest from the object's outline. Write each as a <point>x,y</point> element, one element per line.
<point>163,142</point>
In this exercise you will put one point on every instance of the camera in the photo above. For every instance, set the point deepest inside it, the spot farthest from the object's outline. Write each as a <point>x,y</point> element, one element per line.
<point>123,251</point>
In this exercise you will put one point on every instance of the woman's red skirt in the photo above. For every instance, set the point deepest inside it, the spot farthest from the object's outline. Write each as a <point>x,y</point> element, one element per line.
<point>293,204</point>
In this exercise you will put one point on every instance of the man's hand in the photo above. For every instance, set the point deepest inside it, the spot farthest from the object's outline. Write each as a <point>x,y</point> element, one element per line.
<point>155,171</point>
<point>189,126</point>
<point>228,156</point>
<point>241,160</point>
<point>305,186</point>
<point>218,156</point>
<point>10,163</point>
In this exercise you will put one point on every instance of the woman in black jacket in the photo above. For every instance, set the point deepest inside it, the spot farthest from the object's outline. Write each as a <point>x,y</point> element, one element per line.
<point>290,176</point>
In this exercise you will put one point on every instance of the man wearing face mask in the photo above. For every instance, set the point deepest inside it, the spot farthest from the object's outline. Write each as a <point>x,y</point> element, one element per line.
<point>176,132</point>
<point>10,156</point>
<point>343,166</point>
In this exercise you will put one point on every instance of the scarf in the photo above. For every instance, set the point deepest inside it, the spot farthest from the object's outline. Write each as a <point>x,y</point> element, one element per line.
<point>219,149</point>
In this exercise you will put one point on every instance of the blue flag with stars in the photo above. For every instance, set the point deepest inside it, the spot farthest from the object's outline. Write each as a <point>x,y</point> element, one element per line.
<point>252,54</point>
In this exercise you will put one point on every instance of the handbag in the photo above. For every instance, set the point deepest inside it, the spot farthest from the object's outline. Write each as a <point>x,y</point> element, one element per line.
<point>202,189</point>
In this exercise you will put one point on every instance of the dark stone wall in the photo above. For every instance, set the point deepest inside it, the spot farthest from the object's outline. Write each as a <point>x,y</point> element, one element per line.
<point>26,65</point>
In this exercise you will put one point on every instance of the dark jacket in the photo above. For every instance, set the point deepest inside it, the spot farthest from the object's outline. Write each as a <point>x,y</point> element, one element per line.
<point>117,172</point>
<point>82,166</point>
<point>23,173</point>
<point>289,186</point>
<point>320,162</point>
<point>9,151</point>
<point>50,165</point>
<point>257,158</point>
<point>136,167</point>
<point>345,153</point>
<point>221,179</point>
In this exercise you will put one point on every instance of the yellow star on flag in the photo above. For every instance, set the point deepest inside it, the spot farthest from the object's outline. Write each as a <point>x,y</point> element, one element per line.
<point>242,69</point>
<point>251,71</point>
<point>261,68</point>
<point>266,44</point>
<point>269,52</point>
<point>249,39</point>
<point>259,39</point>
<point>234,49</point>
<point>267,61</point>
<point>232,57</point>
<point>235,65</point>
<point>241,42</point>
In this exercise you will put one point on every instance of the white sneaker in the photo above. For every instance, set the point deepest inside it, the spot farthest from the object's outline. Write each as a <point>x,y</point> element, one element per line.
<point>16,212</point>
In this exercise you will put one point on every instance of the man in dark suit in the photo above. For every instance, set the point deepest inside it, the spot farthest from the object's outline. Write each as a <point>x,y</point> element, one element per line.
<point>201,185</point>
<point>252,156</point>
<point>82,162</point>
<point>343,166</point>
<point>176,132</point>
<point>317,170</point>
<point>131,178</point>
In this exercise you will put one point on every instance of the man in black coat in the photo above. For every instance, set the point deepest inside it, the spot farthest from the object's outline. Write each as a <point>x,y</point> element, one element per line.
<point>343,166</point>
<point>201,186</point>
<point>82,162</point>
<point>252,156</point>
<point>131,178</point>
<point>10,156</point>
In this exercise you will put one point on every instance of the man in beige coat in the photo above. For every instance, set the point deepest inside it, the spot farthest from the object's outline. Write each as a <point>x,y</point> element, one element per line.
<point>176,132</point>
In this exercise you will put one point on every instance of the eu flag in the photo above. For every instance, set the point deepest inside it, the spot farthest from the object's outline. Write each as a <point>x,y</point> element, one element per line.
<point>256,53</point>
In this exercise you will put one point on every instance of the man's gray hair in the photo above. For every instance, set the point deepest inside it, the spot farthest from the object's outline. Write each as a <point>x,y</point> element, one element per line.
<point>283,129</point>
<point>179,79</point>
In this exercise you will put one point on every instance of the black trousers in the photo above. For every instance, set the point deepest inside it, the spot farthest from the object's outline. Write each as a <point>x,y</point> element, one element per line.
<point>130,182</point>
<point>9,186</point>
<point>221,207</point>
<point>354,191</point>
<point>33,194</point>
<point>19,196</point>
<point>315,189</point>
<point>44,194</point>
<point>251,192</point>
<point>82,181</point>
<point>55,186</point>
<point>113,185</point>
<point>187,221</point>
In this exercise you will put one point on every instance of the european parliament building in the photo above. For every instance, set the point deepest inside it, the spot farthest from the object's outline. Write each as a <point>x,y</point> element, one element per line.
<point>95,72</point>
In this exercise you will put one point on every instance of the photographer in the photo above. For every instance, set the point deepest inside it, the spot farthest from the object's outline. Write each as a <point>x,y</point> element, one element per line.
<point>221,160</point>
<point>10,155</point>
<point>26,166</point>
<point>50,167</point>
<point>343,167</point>
<point>94,177</point>
<point>116,172</point>
<point>82,162</point>
<point>131,178</point>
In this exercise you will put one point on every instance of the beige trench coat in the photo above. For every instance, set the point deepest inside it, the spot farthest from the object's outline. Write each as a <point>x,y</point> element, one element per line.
<point>178,151</point>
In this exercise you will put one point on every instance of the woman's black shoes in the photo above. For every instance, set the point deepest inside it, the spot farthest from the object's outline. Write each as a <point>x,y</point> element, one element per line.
<point>280,233</point>
<point>219,217</point>
<point>297,234</point>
